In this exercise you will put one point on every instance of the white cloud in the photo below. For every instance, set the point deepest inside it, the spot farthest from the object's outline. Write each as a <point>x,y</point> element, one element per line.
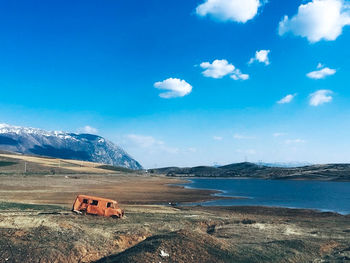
<point>321,96</point>
<point>221,68</point>
<point>279,134</point>
<point>144,141</point>
<point>88,129</point>
<point>229,10</point>
<point>287,99</point>
<point>261,56</point>
<point>242,137</point>
<point>217,69</point>
<point>217,138</point>
<point>175,88</point>
<point>238,75</point>
<point>294,141</point>
<point>148,143</point>
<point>321,73</point>
<point>318,20</point>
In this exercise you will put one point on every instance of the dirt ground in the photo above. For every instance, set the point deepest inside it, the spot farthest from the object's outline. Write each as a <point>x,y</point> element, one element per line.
<point>36,225</point>
<point>127,189</point>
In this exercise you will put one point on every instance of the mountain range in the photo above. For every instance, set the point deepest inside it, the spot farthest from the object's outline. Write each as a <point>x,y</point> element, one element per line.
<point>58,144</point>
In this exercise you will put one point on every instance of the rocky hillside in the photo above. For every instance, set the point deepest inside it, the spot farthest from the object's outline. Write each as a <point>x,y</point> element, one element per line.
<point>84,147</point>
<point>340,172</point>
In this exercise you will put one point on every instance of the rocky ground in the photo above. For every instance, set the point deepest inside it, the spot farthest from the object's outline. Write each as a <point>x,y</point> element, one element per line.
<point>48,232</point>
<point>150,233</point>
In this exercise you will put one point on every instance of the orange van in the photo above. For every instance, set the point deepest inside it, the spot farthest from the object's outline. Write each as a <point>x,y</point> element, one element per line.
<point>86,204</point>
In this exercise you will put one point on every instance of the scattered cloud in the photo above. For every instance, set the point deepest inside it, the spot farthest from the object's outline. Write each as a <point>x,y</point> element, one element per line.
<point>321,73</point>
<point>261,56</point>
<point>217,138</point>
<point>279,134</point>
<point>144,141</point>
<point>287,99</point>
<point>221,68</point>
<point>175,88</point>
<point>229,10</point>
<point>148,143</point>
<point>320,97</point>
<point>318,20</point>
<point>294,141</point>
<point>88,129</point>
<point>238,75</point>
<point>242,137</point>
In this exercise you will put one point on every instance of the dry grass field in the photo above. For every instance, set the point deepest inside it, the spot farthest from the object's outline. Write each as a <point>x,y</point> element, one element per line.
<point>34,164</point>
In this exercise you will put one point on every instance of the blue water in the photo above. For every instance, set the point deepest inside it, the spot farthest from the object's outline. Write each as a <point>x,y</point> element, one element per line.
<point>320,195</point>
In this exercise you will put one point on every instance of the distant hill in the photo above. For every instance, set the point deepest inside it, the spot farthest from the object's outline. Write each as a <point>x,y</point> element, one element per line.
<point>84,147</point>
<point>340,172</point>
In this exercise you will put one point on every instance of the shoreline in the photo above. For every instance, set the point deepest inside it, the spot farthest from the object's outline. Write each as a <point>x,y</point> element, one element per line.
<point>127,190</point>
<point>216,195</point>
<point>219,195</point>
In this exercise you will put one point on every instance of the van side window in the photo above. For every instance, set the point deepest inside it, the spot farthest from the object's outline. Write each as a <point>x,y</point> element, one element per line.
<point>94,202</point>
<point>109,204</point>
<point>85,201</point>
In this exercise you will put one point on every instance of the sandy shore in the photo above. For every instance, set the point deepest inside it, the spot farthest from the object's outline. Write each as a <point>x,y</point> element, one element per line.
<point>127,189</point>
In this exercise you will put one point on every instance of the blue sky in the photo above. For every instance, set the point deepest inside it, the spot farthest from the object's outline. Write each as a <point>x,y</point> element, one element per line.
<point>248,79</point>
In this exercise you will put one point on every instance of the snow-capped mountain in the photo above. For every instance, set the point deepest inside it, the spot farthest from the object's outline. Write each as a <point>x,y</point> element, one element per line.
<point>85,147</point>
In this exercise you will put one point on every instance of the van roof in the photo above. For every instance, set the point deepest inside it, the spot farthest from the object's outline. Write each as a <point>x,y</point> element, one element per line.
<point>96,198</point>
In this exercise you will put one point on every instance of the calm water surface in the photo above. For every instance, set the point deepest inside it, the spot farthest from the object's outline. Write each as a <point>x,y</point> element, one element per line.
<point>325,196</point>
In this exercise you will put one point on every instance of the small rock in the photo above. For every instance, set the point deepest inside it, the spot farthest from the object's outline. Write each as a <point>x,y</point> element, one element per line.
<point>163,254</point>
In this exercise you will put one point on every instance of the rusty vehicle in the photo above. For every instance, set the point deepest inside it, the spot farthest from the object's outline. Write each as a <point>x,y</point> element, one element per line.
<point>93,205</point>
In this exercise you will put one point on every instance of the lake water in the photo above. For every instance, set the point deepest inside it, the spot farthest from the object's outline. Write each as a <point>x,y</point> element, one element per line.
<point>320,195</point>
